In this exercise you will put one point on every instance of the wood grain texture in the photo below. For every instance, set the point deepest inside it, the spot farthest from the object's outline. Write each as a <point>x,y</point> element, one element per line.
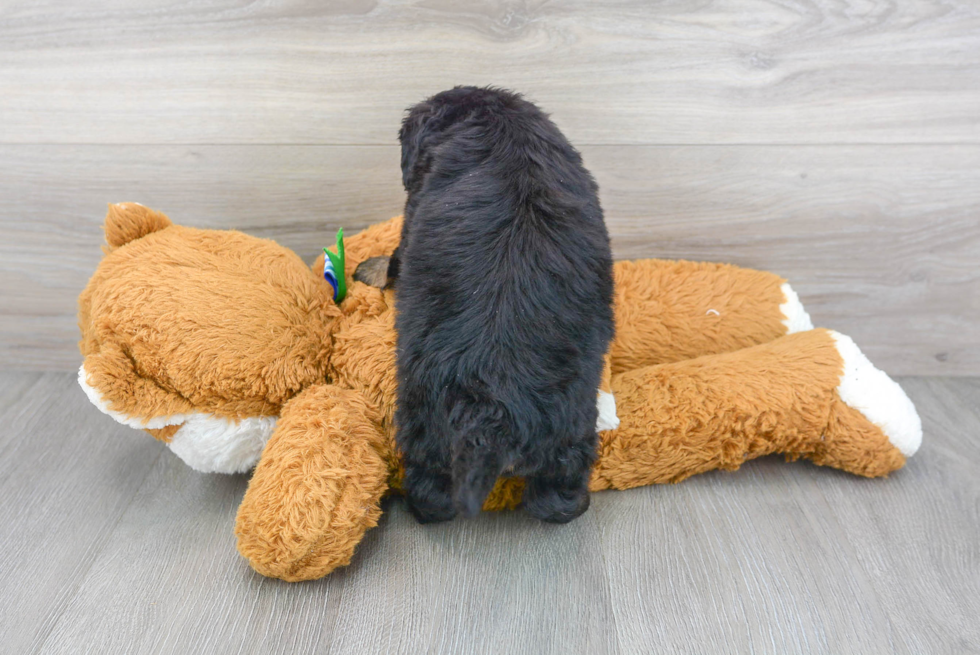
<point>794,558</point>
<point>612,72</point>
<point>881,242</point>
<point>112,545</point>
<point>503,583</point>
<point>186,588</point>
<point>66,478</point>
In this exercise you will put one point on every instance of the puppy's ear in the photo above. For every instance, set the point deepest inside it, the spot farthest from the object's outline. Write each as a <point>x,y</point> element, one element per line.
<point>419,133</point>
<point>411,135</point>
<point>373,272</point>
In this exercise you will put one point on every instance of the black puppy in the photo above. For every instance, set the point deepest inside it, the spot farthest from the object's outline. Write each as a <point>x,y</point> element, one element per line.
<point>504,290</point>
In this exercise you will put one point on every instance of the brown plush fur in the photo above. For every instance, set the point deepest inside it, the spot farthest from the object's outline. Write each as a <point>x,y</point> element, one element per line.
<point>718,411</point>
<point>182,320</point>
<point>318,489</point>
<point>662,311</point>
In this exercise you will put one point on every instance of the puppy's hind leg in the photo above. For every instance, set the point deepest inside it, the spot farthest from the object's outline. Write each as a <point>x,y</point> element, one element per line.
<point>428,494</point>
<point>428,480</point>
<point>559,492</point>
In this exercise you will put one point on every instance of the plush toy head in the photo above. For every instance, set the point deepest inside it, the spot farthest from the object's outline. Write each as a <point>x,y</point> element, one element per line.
<point>200,336</point>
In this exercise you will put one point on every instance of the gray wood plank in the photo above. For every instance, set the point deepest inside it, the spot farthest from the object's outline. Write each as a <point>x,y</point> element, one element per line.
<point>619,71</point>
<point>499,583</point>
<point>745,562</point>
<point>169,580</point>
<point>55,201</point>
<point>882,242</point>
<point>781,558</point>
<point>112,545</point>
<point>67,474</point>
<point>919,539</point>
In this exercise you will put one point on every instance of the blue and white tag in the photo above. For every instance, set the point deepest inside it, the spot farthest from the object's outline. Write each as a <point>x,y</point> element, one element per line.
<point>330,276</point>
<point>335,268</point>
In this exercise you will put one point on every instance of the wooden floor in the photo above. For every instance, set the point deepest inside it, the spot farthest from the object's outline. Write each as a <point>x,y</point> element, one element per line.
<point>111,544</point>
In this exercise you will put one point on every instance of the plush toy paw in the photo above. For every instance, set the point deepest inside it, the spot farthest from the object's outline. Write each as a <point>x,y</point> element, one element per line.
<point>317,488</point>
<point>872,426</point>
<point>809,394</point>
<point>795,317</point>
<point>877,397</point>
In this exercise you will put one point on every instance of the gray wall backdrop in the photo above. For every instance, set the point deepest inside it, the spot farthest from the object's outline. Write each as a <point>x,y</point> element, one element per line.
<point>837,145</point>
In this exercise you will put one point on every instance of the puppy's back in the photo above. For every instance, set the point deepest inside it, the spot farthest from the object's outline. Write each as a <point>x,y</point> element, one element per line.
<point>505,292</point>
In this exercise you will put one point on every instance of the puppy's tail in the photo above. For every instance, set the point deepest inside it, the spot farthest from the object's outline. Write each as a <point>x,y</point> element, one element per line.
<point>476,468</point>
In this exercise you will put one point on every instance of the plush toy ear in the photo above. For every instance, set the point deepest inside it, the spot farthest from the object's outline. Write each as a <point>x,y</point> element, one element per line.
<point>128,221</point>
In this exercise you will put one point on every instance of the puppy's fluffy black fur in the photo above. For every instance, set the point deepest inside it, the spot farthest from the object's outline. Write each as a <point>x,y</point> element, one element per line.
<point>504,291</point>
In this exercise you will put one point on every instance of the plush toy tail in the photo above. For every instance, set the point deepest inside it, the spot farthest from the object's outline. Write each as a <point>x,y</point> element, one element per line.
<point>128,221</point>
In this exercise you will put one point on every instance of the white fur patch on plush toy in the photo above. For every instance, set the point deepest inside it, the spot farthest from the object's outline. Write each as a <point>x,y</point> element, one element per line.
<point>205,442</point>
<point>796,318</point>
<point>210,444</point>
<point>607,412</point>
<point>882,401</point>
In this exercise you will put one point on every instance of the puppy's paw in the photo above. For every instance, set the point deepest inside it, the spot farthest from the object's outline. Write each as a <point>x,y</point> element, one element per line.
<point>428,511</point>
<point>555,503</point>
<point>428,496</point>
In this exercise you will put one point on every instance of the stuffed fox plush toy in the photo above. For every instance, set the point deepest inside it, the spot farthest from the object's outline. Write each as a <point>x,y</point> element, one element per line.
<point>230,350</point>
